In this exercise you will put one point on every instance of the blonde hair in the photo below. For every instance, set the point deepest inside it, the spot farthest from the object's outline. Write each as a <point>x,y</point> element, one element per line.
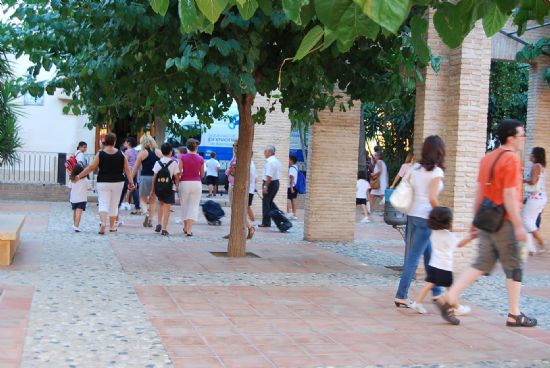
<point>148,142</point>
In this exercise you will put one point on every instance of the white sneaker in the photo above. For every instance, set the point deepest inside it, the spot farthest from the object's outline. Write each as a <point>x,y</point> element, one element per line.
<point>418,307</point>
<point>76,229</point>
<point>365,220</point>
<point>462,310</point>
<point>292,217</point>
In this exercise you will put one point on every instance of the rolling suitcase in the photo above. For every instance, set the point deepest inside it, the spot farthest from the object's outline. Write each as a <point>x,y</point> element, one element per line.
<point>213,212</point>
<point>280,220</point>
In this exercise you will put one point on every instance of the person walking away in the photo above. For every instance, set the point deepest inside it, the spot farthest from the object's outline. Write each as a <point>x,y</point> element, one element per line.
<point>146,160</point>
<point>112,165</point>
<point>292,193</point>
<point>536,196</point>
<point>427,183</point>
<point>191,166</point>
<point>270,187</point>
<point>165,178</point>
<point>361,195</point>
<point>409,160</point>
<point>503,245</point>
<point>380,173</point>
<point>78,196</point>
<point>80,154</point>
<point>251,191</point>
<point>212,167</point>
<point>131,155</point>
<point>440,270</point>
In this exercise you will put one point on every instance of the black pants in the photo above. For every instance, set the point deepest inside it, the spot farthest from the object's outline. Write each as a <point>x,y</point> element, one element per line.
<point>134,193</point>
<point>267,201</point>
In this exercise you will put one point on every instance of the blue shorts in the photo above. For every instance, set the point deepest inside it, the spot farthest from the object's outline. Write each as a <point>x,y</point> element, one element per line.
<point>79,205</point>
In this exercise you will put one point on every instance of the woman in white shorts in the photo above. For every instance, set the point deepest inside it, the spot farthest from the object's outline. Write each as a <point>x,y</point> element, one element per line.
<point>536,196</point>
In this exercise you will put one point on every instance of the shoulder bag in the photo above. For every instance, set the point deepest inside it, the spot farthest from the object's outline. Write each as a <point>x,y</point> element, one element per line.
<point>402,197</point>
<point>490,216</point>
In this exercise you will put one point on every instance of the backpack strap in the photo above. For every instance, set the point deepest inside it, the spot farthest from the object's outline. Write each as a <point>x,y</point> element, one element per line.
<point>490,179</point>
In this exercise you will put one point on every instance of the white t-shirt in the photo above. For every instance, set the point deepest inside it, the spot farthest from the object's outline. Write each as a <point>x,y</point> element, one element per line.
<point>362,187</point>
<point>173,168</point>
<point>444,244</point>
<point>404,169</point>
<point>421,181</point>
<point>272,168</point>
<point>253,178</point>
<point>79,191</point>
<point>381,168</point>
<point>292,171</point>
<point>212,167</point>
<point>81,158</point>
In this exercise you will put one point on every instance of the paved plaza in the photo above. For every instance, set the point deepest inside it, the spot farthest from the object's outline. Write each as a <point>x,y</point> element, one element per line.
<point>136,299</point>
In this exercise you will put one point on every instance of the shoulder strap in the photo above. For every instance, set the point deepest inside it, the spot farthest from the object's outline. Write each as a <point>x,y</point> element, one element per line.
<point>490,179</point>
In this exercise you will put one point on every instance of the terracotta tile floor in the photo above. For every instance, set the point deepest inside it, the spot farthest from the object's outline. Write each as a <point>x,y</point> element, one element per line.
<point>194,256</point>
<point>271,326</point>
<point>15,304</point>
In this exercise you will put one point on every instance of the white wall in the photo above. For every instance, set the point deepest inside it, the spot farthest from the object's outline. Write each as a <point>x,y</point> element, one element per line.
<point>46,128</point>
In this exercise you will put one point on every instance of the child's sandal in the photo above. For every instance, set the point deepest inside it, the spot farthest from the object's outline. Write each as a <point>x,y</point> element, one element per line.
<point>521,320</point>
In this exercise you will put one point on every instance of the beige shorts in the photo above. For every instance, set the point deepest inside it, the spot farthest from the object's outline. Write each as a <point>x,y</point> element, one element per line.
<point>501,246</point>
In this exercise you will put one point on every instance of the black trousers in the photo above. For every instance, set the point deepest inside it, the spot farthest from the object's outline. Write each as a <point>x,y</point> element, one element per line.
<point>267,201</point>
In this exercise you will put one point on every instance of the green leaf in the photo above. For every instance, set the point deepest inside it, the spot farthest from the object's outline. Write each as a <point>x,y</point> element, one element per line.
<point>506,6</point>
<point>449,25</point>
<point>190,19</point>
<point>329,39</point>
<point>247,9</point>
<point>311,39</point>
<point>160,6</point>
<point>212,8</point>
<point>292,9</point>
<point>541,9</point>
<point>265,6</point>
<point>354,24</point>
<point>330,12</point>
<point>390,14</point>
<point>169,63</point>
<point>493,21</point>
<point>419,27</point>
<point>547,75</point>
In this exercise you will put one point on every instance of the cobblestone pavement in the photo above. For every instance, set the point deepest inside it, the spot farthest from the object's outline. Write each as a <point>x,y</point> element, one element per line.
<point>135,299</point>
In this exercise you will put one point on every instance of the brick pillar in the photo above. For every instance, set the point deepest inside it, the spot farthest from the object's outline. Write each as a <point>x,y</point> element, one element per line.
<point>538,125</point>
<point>454,105</point>
<point>331,176</point>
<point>275,131</point>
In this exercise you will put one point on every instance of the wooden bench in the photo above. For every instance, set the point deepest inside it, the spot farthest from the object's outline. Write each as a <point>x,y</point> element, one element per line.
<point>10,227</point>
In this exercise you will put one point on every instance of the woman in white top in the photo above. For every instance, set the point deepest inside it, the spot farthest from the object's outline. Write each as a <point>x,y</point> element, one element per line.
<point>427,182</point>
<point>536,198</point>
<point>381,172</point>
<point>409,161</point>
<point>80,154</point>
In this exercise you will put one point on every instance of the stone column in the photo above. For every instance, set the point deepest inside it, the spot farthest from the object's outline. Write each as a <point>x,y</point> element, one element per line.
<point>538,125</point>
<point>276,132</point>
<point>454,105</point>
<point>332,175</point>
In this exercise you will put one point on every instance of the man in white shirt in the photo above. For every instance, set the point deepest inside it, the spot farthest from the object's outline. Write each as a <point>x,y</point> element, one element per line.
<point>270,187</point>
<point>212,166</point>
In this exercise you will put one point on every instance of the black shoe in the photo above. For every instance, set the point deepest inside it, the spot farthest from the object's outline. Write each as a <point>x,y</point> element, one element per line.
<point>164,232</point>
<point>158,228</point>
<point>262,225</point>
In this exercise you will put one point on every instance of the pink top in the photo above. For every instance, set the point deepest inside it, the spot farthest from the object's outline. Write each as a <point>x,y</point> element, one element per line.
<point>232,163</point>
<point>192,164</point>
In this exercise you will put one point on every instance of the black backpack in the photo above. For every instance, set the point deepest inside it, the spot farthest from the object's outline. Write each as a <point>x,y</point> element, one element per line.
<point>164,181</point>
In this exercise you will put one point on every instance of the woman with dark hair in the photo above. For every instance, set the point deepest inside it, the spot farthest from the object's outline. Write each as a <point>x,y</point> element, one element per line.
<point>131,155</point>
<point>80,153</point>
<point>427,182</point>
<point>536,195</point>
<point>191,167</point>
<point>112,165</point>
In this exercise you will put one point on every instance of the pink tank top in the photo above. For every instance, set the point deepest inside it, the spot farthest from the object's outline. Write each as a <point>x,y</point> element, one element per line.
<point>192,164</point>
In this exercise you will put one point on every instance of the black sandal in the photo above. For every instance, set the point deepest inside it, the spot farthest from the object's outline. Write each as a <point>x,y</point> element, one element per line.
<point>521,320</point>
<point>400,304</point>
<point>447,313</point>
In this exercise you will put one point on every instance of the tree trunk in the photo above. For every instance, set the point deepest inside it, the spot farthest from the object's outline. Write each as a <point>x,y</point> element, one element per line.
<point>362,156</point>
<point>237,235</point>
<point>160,130</point>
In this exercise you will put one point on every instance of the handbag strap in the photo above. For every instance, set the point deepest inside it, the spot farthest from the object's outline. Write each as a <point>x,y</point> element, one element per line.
<point>490,179</point>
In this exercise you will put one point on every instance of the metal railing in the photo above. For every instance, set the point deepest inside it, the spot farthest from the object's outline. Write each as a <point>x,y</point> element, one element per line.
<point>36,168</point>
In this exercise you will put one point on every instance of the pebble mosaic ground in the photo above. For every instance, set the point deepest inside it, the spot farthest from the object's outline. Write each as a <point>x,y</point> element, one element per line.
<point>135,299</point>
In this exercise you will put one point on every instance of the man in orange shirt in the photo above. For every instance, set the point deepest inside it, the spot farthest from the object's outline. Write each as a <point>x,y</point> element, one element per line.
<point>503,245</point>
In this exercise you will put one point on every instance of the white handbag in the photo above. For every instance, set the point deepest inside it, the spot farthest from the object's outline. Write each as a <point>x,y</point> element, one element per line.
<point>533,188</point>
<point>402,197</point>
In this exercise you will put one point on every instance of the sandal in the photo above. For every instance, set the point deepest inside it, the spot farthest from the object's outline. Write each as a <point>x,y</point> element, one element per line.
<point>521,320</point>
<point>251,232</point>
<point>189,234</point>
<point>400,303</point>
<point>113,230</point>
<point>447,312</point>
<point>101,229</point>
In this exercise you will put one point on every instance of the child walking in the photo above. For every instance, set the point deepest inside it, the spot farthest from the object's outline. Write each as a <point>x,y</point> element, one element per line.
<point>78,196</point>
<point>361,195</point>
<point>166,175</point>
<point>440,269</point>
